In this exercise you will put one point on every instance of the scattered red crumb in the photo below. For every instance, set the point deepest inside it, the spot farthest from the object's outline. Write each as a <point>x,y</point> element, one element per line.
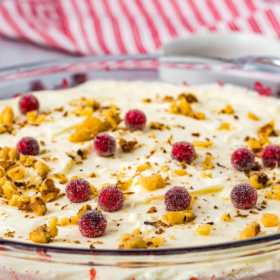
<point>64,83</point>
<point>16,95</point>
<point>258,87</point>
<point>221,84</point>
<point>92,274</point>
<point>193,278</point>
<point>185,83</point>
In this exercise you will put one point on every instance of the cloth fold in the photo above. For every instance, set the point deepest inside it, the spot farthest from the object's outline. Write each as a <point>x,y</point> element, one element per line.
<point>96,27</point>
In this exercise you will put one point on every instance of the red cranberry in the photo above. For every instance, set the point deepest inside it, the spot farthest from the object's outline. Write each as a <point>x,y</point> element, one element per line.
<point>105,145</point>
<point>135,120</point>
<point>28,146</point>
<point>78,190</point>
<point>92,224</point>
<point>79,78</point>
<point>27,103</point>
<point>243,159</point>
<point>183,151</point>
<point>271,155</point>
<point>110,199</point>
<point>36,86</point>
<point>177,199</point>
<point>243,196</point>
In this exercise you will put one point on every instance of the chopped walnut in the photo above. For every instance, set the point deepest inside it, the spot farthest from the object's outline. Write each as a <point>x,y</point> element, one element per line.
<point>180,172</point>
<point>204,229</point>
<point>257,145</point>
<point>144,167</point>
<point>44,234</point>
<point>24,203</point>
<point>226,217</point>
<point>48,190</point>
<point>42,169</point>
<point>228,110</point>
<point>177,218</point>
<point>207,164</point>
<point>38,206</point>
<point>267,130</point>
<point>127,146</point>
<point>270,220</point>
<point>16,173</point>
<point>159,126</point>
<point>129,241</point>
<point>152,182</point>
<point>9,190</point>
<point>7,116</point>
<point>189,97</point>
<point>112,118</point>
<point>152,210</point>
<point>250,231</point>
<point>125,185</point>
<point>252,117</point>
<point>258,179</point>
<point>224,126</point>
<point>154,242</point>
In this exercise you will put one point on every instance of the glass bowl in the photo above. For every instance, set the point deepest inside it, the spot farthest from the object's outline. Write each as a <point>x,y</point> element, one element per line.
<point>256,258</point>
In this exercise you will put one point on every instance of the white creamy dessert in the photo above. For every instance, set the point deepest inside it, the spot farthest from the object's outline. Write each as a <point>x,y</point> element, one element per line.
<point>225,118</point>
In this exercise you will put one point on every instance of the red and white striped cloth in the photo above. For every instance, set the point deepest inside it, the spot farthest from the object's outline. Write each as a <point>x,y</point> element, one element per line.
<point>130,26</point>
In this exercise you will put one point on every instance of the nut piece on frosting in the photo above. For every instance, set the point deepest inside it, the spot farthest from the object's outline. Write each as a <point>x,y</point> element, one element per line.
<point>250,231</point>
<point>154,242</point>
<point>226,217</point>
<point>7,116</point>
<point>38,206</point>
<point>44,234</point>
<point>129,241</point>
<point>24,203</point>
<point>9,190</point>
<point>153,182</point>
<point>48,190</point>
<point>270,220</point>
<point>204,229</point>
<point>178,218</point>
<point>16,173</point>
<point>42,169</point>
<point>258,179</point>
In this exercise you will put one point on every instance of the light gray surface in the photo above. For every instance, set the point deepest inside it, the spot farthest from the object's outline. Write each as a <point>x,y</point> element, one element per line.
<point>17,53</point>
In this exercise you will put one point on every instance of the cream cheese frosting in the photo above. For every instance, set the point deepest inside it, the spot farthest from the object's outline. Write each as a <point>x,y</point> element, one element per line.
<point>151,99</point>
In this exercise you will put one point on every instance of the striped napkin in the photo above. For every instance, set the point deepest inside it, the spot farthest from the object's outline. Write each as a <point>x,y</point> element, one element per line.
<point>98,27</point>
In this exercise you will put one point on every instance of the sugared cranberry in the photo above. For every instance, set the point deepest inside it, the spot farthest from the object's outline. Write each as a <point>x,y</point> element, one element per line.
<point>92,224</point>
<point>177,199</point>
<point>135,120</point>
<point>78,190</point>
<point>27,103</point>
<point>271,155</point>
<point>243,196</point>
<point>105,145</point>
<point>79,78</point>
<point>183,151</point>
<point>28,146</point>
<point>110,199</point>
<point>36,86</point>
<point>243,159</point>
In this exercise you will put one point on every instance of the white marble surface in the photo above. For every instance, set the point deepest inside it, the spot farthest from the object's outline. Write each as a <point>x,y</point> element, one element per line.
<point>16,53</point>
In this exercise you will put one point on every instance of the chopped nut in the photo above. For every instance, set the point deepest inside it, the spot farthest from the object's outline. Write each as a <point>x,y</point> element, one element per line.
<point>44,234</point>
<point>154,242</point>
<point>181,172</point>
<point>189,97</point>
<point>48,190</point>
<point>125,185</point>
<point>81,135</point>
<point>17,173</point>
<point>228,110</point>
<point>152,210</point>
<point>9,190</point>
<point>270,220</point>
<point>257,145</point>
<point>38,206</point>
<point>269,194</point>
<point>127,146</point>
<point>207,164</point>
<point>226,217</point>
<point>42,169</point>
<point>250,231</point>
<point>152,182</point>
<point>258,179</point>
<point>129,241</point>
<point>26,160</point>
<point>201,143</point>
<point>267,130</point>
<point>7,116</point>
<point>177,218</point>
<point>24,203</point>
<point>144,167</point>
<point>14,200</point>
<point>224,126</point>
<point>252,117</point>
<point>204,229</point>
<point>159,126</point>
